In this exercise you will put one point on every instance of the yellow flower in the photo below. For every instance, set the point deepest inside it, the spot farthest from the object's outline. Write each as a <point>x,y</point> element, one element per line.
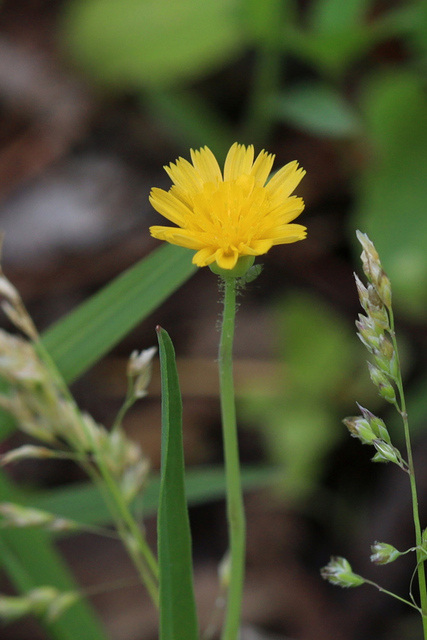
<point>226,216</point>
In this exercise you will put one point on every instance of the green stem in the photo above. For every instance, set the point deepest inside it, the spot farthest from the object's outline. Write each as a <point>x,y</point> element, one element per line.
<point>128,528</point>
<point>127,404</point>
<point>235,508</point>
<point>415,511</point>
<point>393,595</point>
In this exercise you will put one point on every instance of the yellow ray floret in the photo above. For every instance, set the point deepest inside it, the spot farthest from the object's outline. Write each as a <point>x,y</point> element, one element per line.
<point>224,216</point>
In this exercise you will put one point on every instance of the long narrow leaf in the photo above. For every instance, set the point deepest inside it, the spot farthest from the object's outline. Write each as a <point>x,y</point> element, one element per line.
<point>86,334</point>
<point>83,502</point>
<point>178,618</point>
<point>31,561</point>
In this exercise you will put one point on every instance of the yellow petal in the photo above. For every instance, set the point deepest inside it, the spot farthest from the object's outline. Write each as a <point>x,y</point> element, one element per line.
<point>204,257</point>
<point>223,220</point>
<point>226,260</point>
<point>184,175</point>
<point>261,246</point>
<point>288,211</point>
<point>262,167</point>
<point>176,236</point>
<point>284,182</point>
<point>206,165</point>
<point>290,233</point>
<point>238,162</point>
<point>169,206</point>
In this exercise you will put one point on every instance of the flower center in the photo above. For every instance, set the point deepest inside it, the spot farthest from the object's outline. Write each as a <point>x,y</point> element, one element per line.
<point>229,213</point>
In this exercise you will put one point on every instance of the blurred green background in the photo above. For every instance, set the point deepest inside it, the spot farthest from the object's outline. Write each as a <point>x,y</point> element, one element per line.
<point>96,96</point>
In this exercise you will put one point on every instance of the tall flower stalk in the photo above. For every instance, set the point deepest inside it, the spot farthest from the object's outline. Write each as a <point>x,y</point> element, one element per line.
<point>235,507</point>
<point>228,218</point>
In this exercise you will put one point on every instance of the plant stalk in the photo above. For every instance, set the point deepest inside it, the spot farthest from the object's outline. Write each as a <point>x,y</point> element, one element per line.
<point>235,508</point>
<point>128,528</point>
<point>415,510</point>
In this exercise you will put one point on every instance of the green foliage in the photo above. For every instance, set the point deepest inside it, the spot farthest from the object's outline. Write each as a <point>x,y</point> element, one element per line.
<point>83,502</point>
<point>152,43</point>
<point>30,560</point>
<point>76,342</point>
<point>391,200</point>
<point>86,334</point>
<point>301,424</point>
<point>326,16</point>
<point>318,109</point>
<point>178,617</point>
<point>157,47</point>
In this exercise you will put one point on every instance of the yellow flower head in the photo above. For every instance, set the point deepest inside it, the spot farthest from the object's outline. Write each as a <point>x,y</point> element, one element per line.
<point>226,216</point>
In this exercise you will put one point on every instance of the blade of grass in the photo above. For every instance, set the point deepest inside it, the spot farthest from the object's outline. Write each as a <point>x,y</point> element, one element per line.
<point>83,502</point>
<point>87,333</point>
<point>178,617</point>
<point>80,339</point>
<point>31,561</point>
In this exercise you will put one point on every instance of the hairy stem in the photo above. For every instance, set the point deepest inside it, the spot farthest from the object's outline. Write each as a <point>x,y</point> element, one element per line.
<point>235,508</point>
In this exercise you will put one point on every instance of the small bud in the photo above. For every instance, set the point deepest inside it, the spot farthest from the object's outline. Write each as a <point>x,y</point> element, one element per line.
<point>386,348</point>
<point>224,571</point>
<point>376,310</point>
<point>13,608</point>
<point>140,367</point>
<point>371,343</point>
<point>381,381</point>
<point>384,288</point>
<point>368,333</point>
<point>15,515</point>
<point>373,269</point>
<point>49,602</point>
<point>370,258</point>
<point>138,362</point>
<point>28,451</point>
<point>20,318</point>
<point>8,291</point>
<point>388,365</point>
<point>375,301</point>
<point>339,572</point>
<point>134,479</point>
<point>383,553</point>
<point>360,428</point>
<point>362,291</point>
<point>368,325</point>
<point>60,604</point>
<point>386,453</point>
<point>377,424</point>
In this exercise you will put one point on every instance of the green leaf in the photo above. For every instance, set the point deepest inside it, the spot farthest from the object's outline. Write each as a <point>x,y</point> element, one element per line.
<point>80,339</point>
<point>146,43</point>
<point>318,109</point>
<point>83,502</point>
<point>31,561</point>
<point>391,202</point>
<point>337,34</point>
<point>326,16</point>
<point>189,119</point>
<point>178,617</point>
